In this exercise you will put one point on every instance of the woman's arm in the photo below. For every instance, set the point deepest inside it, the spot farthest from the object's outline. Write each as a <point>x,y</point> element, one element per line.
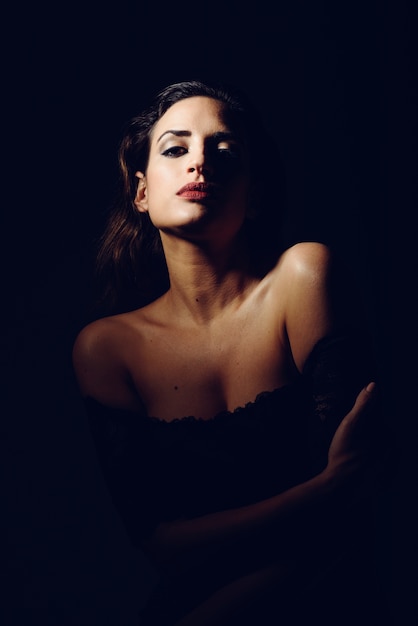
<point>183,543</point>
<point>230,599</point>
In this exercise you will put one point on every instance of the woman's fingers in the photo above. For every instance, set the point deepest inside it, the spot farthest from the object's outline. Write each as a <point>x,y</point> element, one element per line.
<point>362,404</point>
<point>351,440</point>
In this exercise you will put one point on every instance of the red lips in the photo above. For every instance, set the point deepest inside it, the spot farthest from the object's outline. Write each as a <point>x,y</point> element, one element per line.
<point>196,191</point>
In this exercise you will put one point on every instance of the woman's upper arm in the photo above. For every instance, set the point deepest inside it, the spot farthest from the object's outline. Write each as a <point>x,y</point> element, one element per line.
<point>320,299</point>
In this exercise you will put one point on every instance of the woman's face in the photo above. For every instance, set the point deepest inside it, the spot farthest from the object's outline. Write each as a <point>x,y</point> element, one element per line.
<point>197,178</point>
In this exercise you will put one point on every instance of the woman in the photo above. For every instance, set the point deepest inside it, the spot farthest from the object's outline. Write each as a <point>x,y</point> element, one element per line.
<point>231,409</point>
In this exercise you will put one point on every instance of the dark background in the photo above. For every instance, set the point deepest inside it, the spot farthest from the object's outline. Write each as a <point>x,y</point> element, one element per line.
<point>337,83</point>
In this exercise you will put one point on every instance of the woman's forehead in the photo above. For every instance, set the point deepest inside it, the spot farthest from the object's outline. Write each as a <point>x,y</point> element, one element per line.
<point>194,113</point>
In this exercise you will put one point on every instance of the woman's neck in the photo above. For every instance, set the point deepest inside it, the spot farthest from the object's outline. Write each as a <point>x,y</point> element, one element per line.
<point>206,280</point>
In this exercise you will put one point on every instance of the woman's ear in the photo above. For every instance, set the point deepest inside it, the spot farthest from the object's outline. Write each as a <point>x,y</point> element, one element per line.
<point>141,200</point>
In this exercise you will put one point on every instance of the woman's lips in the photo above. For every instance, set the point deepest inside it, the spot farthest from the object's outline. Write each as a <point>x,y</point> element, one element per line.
<point>196,191</point>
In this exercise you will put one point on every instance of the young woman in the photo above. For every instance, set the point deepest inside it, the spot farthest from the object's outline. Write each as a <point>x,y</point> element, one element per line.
<point>233,405</point>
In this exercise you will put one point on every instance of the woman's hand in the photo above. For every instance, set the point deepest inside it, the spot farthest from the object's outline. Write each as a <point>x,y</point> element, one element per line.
<point>351,455</point>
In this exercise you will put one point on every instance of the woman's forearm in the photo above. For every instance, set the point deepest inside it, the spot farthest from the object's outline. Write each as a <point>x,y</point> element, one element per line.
<point>286,517</point>
<point>193,539</point>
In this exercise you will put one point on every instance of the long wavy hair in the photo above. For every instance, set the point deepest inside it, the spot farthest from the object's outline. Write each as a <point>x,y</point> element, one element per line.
<point>130,263</point>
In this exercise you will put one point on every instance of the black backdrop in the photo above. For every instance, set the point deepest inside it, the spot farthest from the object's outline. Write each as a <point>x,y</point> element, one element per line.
<point>337,84</point>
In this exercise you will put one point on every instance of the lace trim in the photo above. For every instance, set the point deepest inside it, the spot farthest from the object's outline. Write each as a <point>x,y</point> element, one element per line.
<point>248,408</point>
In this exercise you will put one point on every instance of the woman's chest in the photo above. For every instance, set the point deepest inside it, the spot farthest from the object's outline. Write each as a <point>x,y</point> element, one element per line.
<point>201,373</point>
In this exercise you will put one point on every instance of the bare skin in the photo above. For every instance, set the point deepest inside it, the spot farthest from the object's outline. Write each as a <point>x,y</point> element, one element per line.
<point>206,365</point>
<point>218,337</point>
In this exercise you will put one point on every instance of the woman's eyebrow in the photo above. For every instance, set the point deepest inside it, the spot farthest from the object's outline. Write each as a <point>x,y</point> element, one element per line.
<point>176,133</point>
<point>224,136</point>
<point>219,136</point>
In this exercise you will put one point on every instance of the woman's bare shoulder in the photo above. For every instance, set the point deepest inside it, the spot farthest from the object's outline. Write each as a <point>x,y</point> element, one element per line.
<point>318,296</point>
<point>99,362</point>
<point>101,334</point>
<point>305,258</point>
<point>302,269</point>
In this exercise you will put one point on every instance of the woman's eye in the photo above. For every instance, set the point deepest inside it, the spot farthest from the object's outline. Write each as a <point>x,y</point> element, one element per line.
<point>228,151</point>
<point>174,151</point>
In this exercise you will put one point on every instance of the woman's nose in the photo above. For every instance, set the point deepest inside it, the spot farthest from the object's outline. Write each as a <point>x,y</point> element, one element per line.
<point>201,165</point>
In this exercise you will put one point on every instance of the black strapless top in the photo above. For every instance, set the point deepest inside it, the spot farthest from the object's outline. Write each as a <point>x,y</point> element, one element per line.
<point>158,471</point>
